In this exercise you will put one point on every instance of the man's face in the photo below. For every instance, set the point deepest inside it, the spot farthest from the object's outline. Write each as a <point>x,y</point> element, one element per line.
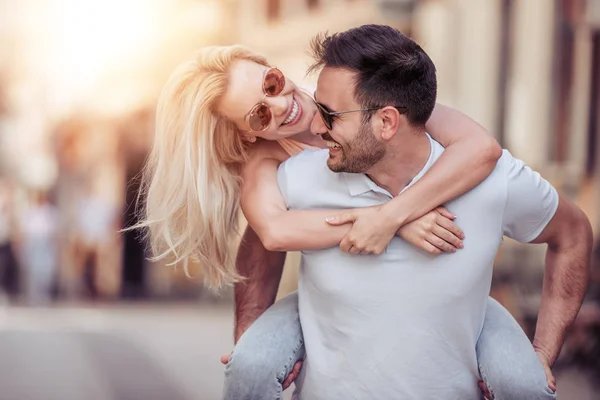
<point>353,145</point>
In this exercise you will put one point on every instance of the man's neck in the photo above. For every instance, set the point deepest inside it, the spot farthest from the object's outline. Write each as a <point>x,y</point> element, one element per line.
<point>406,156</point>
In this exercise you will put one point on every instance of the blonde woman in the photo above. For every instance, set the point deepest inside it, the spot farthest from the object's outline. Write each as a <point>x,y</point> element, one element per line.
<point>225,120</point>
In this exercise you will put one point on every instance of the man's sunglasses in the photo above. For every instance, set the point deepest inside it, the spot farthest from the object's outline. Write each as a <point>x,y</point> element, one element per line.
<point>328,117</point>
<point>259,117</point>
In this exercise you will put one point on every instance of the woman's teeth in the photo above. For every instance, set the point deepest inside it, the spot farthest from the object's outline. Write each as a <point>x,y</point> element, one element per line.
<point>293,114</point>
<point>333,145</point>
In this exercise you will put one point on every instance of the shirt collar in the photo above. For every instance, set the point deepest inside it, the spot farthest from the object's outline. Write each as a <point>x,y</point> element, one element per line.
<point>360,183</point>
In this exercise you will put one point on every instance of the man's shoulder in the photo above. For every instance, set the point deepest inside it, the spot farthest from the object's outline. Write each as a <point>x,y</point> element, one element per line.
<point>508,167</point>
<point>505,164</point>
<point>306,181</point>
<point>307,160</point>
<point>509,163</point>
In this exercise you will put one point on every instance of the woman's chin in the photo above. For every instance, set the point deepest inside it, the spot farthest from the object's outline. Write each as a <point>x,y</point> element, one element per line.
<point>302,126</point>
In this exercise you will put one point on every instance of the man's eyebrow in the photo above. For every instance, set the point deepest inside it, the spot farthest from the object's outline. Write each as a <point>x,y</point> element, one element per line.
<point>321,104</point>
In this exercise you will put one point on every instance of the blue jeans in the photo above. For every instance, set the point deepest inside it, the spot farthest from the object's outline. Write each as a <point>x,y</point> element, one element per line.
<point>268,350</point>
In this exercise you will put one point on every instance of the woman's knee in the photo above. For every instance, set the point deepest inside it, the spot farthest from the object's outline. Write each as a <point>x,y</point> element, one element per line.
<point>271,345</point>
<point>520,389</point>
<point>257,373</point>
<point>251,364</point>
<point>512,383</point>
<point>251,376</point>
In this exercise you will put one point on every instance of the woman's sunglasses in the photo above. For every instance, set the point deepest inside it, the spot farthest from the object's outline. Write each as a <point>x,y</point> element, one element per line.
<point>328,117</point>
<point>259,118</point>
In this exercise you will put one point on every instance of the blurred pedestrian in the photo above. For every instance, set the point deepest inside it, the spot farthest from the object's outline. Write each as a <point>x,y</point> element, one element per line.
<point>96,228</point>
<point>8,265</point>
<point>38,247</point>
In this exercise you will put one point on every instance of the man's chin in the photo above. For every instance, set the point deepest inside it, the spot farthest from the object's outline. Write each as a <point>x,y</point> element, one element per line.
<point>335,166</point>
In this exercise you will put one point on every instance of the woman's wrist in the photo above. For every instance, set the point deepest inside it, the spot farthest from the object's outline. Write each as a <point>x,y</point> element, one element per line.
<point>394,212</point>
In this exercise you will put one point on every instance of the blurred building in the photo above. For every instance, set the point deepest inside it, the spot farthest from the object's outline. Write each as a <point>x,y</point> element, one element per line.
<point>78,85</point>
<point>528,71</point>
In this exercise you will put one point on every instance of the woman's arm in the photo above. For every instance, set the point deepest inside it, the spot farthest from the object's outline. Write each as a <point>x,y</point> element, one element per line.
<point>281,229</point>
<point>470,157</point>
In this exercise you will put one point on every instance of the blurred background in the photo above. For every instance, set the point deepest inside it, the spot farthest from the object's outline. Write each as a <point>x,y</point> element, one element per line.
<point>82,311</point>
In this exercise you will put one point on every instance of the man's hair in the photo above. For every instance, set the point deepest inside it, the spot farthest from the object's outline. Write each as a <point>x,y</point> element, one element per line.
<point>391,69</point>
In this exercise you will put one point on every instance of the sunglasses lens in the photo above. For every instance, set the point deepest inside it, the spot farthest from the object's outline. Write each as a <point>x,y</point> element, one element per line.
<point>260,118</point>
<point>325,117</point>
<point>274,82</point>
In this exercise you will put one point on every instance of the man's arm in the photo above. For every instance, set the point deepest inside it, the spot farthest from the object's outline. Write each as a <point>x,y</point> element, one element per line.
<point>569,238</point>
<point>535,213</point>
<point>263,270</point>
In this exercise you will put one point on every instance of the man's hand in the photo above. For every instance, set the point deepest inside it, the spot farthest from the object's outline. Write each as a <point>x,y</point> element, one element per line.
<point>288,381</point>
<point>293,375</point>
<point>546,364</point>
<point>485,391</point>
<point>549,376</point>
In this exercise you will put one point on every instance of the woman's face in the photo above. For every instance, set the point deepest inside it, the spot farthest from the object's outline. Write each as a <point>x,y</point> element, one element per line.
<point>292,110</point>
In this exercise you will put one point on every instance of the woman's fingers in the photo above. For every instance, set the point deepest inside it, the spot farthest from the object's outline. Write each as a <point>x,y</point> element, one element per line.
<point>440,243</point>
<point>353,250</point>
<point>447,236</point>
<point>451,227</point>
<point>428,247</point>
<point>442,211</point>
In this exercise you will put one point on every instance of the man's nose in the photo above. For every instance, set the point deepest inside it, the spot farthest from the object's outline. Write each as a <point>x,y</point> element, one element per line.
<point>317,126</point>
<point>279,105</point>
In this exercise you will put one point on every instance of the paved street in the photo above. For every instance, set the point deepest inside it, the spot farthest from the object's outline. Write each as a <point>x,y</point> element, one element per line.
<point>132,352</point>
<point>116,353</point>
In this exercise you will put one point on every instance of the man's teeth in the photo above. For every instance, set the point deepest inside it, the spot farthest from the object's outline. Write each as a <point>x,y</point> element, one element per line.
<point>293,114</point>
<point>333,145</point>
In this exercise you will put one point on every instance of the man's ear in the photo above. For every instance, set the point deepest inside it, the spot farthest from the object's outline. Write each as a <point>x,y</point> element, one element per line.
<point>391,120</point>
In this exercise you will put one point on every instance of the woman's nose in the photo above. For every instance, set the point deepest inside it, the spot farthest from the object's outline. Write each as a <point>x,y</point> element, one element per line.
<point>279,105</point>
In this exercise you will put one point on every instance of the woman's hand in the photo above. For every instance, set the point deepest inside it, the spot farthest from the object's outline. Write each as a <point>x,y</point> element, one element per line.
<point>435,232</point>
<point>372,230</point>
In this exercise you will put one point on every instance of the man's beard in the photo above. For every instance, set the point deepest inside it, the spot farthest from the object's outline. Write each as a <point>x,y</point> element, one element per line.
<point>359,155</point>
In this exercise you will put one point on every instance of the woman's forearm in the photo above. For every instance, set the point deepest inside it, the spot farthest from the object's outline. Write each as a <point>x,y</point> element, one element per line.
<point>295,230</point>
<point>450,176</point>
<point>470,156</point>
<point>278,228</point>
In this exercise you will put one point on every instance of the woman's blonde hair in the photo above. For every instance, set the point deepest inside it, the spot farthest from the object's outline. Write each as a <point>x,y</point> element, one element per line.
<point>192,178</point>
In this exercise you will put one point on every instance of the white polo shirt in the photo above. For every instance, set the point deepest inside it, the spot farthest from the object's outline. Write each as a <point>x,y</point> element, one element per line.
<point>404,324</point>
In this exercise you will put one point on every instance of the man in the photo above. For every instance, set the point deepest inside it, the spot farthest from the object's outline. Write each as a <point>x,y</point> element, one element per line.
<point>405,324</point>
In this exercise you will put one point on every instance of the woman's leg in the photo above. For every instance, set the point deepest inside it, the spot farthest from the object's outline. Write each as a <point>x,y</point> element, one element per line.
<point>265,354</point>
<point>507,361</point>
